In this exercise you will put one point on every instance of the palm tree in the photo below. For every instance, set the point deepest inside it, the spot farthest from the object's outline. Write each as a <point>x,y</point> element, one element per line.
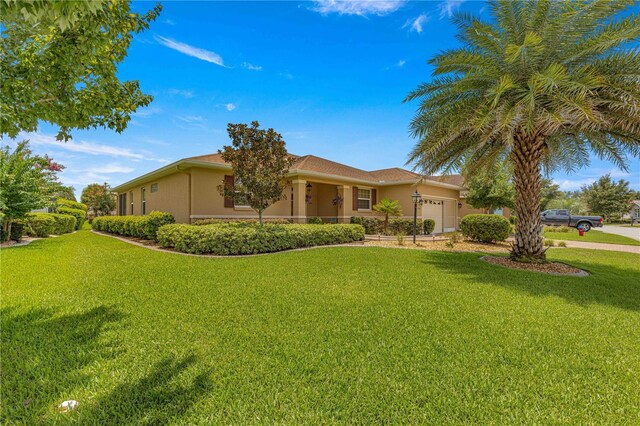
<point>542,85</point>
<point>388,208</point>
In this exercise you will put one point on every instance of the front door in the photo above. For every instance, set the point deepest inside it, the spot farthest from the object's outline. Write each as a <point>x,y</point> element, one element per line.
<point>432,209</point>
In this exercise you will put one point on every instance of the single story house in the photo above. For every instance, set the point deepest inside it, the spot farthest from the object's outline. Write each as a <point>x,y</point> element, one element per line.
<point>318,187</point>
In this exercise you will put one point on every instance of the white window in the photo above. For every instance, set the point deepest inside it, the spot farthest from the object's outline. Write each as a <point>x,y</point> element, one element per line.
<point>240,201</point>
<point>131,201</point>
<point>154,187</point>
<point>364,199</point>
<point>144,201</point>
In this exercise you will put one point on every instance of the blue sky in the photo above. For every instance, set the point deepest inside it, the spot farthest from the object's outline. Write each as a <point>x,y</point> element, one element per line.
<point>330,76</point>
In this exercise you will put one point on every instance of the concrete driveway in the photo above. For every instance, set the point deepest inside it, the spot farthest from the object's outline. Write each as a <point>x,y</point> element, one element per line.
<point>622,230</point>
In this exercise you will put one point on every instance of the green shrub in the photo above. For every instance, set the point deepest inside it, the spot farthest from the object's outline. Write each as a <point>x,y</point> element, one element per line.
<point>314,221</point>
<point>485,228</point>
<point>145,227</point>
<point>79,214</point>
<point>17,230</point>
<point>428,225</point>
<point>562,244</point>
<point>549,243</point>
<point>229,239</point>
<point>372,225</point>
<point>240,220</point>
<point>44,224</point>
<point>70,204</point>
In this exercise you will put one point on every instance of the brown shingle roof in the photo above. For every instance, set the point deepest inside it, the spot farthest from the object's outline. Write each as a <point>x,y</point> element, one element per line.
<point>311,163</point>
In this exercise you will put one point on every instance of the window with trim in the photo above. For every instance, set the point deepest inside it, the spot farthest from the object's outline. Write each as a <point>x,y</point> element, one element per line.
<point>238,200</point>
<point>144,201</point>
<point>154,187</point>
<point>364,199</point>
<point>131,201</point>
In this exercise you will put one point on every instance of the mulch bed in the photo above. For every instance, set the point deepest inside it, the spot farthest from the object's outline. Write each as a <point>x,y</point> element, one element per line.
<point>462,246</point>
<point>552,268</point>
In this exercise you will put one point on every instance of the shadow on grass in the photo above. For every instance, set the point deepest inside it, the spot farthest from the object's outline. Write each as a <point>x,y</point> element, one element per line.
<point>43,357</point>
<point>163,395</point>
<point>608,285</point>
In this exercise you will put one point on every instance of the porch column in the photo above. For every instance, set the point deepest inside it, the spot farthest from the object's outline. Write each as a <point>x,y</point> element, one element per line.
<point>299,201</point>
<point>345,211</point>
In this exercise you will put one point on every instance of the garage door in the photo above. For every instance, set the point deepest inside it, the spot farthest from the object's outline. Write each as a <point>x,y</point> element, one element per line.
<point>432,209</point>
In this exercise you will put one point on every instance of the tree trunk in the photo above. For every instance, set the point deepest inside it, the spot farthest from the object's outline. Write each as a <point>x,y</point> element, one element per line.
<point>526,156</point>
<point>260,217</point>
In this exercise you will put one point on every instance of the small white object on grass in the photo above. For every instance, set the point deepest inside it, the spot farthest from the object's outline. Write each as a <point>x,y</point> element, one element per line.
<point>67,406</point>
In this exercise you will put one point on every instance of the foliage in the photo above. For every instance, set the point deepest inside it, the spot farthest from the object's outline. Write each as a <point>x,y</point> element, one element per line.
<point>26,182</point>
<point>17,230</point>
<point>238,238</point>
<point>63,202</point>
<point>314,221</point>
<point>240,220</point>
<point>64,192</point>
<point>606,197</point>
<point>490,190</point>
<point>80,215</point>
<point>539,85</point>
<point>485,228</point>
<point>557,228</point>
<point>59,64</point>
<point>549,243</point>
<point>428,226</point>
<point>562,244</point>
<point>549,191</point>
<point>570,200</point>
<point>145,227</point>
<point>387,208</point>
<point>308,326</point>
<point>260,164</point>
<point>100,199</point>
<point>44,224</point>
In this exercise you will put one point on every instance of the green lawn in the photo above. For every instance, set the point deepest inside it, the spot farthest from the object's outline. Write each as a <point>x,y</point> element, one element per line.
<point>331,335</point>
<point>592,236</point>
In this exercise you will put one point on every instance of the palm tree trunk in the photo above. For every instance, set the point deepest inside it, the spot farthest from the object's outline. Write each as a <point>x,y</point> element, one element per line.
<point>526,156</point>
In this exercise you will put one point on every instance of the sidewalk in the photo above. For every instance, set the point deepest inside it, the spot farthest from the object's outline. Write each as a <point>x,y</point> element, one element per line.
<point>602,246</point>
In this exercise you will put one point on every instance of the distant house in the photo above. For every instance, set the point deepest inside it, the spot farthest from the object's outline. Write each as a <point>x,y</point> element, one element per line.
<point>634,213</point>
<point>318,187</point>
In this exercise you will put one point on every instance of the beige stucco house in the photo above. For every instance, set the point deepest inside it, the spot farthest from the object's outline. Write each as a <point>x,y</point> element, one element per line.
<point>318,188</point>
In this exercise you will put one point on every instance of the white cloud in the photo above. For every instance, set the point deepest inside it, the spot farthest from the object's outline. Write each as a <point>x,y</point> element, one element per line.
<point>448,7</point>
<point>230,107</point>
<point>401,63</point>
<point>357,7</point>
<point>146,112</point>
<point>416,23</point>
<point>286,75</point>
<point>168,22</point>
<point>196,52</point>
<point>110,168</point>
<point>188,94</point>
<point>190,118</point>
<point>81,146</point>
<point>251,67</point>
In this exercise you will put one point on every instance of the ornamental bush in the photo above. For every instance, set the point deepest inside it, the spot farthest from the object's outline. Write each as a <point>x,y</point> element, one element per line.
<point>145,227</point>
<point>79,214</point>
<point>428,225</point>
<point>230,239</point>
<point>240,220</point>
<point>374,225</point>
<point>314,221</point>
<point>62,202</point>
<point>485,228</point>
<point>44,224</point>
<point>17,230</point>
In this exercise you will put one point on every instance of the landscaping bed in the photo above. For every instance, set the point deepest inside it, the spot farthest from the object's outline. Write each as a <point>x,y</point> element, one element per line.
<point>552,268</point>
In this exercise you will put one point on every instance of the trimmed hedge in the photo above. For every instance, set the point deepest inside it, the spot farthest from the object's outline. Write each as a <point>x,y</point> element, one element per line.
<point>144,227</point>
<point>44,224</point>
<point>80,215</point>
<point>485,228</point>
<point>374,225</point>
<point>17,230</point>
<point>239,220</point>
<point>225,239</point>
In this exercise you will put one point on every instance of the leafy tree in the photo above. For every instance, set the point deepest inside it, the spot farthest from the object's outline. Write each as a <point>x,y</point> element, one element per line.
<point>539,86</point>
<point>100,199</point>
<point>548,191</point>
<point>65,192</point>
<point>26,182</point>
<point>570,200</point>
<point>388,208</point>
<point>260,164</point>
<point>59,65</point>
<point>490,190</point>
<point>606,197</point>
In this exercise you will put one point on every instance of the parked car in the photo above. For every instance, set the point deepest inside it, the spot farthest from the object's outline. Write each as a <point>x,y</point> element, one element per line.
<point>564,218</point>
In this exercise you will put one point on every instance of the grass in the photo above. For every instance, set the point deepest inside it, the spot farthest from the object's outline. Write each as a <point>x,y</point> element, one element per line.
<point>592,236</point>
<point>332,335</point>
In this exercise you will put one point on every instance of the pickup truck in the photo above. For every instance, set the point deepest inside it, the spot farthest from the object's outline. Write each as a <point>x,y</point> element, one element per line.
<point>564,218</point>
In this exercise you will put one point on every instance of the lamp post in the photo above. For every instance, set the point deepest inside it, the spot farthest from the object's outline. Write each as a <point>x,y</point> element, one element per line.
<point>417,199</point>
